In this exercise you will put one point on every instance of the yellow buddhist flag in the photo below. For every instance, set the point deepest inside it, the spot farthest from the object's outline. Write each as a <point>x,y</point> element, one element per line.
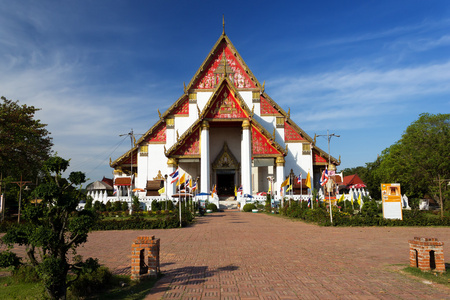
<point>190,184</point>
<point>270,188</point>
<point>359,199</point>
<point>285,183</point>
<point>351,198</point>
<point>308,180</point>
<point>161,190</point>
<point>181,180</point>
<point>235,191</point>
<point>289,188</point>
<point>342,198</point>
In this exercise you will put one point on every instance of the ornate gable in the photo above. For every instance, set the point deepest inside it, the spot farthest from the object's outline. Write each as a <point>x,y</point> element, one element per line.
<point>225,104</point>
<point>222,62</point>
<point>319,159</point>
<point>190,145</point>
<point>290,134</point>
<point>267,109</point>
<point>182,109</point>
<point>261,145</point>
<point>158,136</point>
<point>127,160</point>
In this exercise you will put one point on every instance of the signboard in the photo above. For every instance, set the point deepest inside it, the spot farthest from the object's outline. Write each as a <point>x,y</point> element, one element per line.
<point>392,201</point>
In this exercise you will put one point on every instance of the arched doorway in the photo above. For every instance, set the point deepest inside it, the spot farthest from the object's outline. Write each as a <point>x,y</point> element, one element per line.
<point>226,169</point>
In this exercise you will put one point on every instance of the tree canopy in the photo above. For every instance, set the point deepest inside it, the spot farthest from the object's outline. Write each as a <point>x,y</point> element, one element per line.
<point>54,228</point>
<point>24,141</point>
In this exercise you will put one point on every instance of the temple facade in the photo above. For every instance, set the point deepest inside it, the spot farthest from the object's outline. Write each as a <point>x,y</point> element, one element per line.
<point>223,132</point>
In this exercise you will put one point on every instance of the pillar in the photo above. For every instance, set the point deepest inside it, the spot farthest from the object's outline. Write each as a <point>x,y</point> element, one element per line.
<point>204,159</point>
<point>280,176</point>
<point>246,158</point>
<point>172,165</point>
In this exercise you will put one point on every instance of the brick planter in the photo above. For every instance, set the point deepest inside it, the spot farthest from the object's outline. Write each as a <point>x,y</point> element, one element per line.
<point>427,254</point>
<point>145,257</point>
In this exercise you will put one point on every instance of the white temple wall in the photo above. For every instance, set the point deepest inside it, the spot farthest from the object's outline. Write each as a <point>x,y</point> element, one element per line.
<point>142,163</point>
<point>296,161</point>
<point>181,124</point>
<point>248,98</point>
<point>202,99</point>
<point>171,137</point>
<point>156,161</point>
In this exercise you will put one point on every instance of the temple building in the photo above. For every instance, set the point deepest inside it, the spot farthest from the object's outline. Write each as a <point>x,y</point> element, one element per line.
<point>224,131</point>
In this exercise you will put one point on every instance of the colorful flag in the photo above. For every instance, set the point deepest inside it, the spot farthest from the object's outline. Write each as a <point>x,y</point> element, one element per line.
<point>359,200</point>
<point>174,176</point>
<point>161,190</point>
<point>324,178</point>
<point>351,198</point>
<point>240,189</point>
<point>308,180</point>
<point>289,188</point>
<point>299,178</point>
<point>270,188</point>
<point>235,191</point>
<point>309,202</point>
<point>194,187</point>
<point>285,183</point>
<point>342,198</point>
<point>181,181</point>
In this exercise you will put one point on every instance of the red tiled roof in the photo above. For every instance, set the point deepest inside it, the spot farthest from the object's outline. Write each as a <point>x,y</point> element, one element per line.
<point>123,181</point>
<point>352,179</point>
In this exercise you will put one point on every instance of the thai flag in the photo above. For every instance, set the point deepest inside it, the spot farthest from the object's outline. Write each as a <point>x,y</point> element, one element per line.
<point>309,202</point>
<point>240,189</point>
<point>194,187</point>
<point>324,178</point>
<point>174,176</point>
<point>299,179</point>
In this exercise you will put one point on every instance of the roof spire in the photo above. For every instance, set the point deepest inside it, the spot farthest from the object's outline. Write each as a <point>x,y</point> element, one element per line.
<point>223,24</point>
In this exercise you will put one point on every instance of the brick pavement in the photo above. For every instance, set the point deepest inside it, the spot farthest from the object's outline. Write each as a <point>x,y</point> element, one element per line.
<point>236,255</point>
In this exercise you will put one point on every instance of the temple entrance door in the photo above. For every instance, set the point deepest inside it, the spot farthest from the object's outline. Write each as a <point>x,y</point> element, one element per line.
<point>225,184</point>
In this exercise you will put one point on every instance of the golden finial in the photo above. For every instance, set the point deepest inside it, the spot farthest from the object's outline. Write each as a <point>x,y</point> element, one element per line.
<point>286,150</point>
<point>198,110</point>
<point>184,89</point>
<point>339,161</point>
<point>134,139</point>
<point>110,161</point>
<point>289,113</point>
<point>159,113</point>
<point>273,134</point>
<point>315,136</point>
<point>264,86</point>
<point>223,24</point>
<point>165,151</point>
<point>253,110</point>
<point>178,136</point>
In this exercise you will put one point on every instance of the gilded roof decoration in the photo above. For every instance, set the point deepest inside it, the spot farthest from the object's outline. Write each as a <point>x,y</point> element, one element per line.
<point>191,145</point>
<point>226,106</point>
<point>225,160</point>
<point>267,109</point>
<point>182,109</point>
<point>158,136</point>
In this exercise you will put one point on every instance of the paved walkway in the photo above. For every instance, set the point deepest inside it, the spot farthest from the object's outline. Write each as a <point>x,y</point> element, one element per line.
<point>236,255</point>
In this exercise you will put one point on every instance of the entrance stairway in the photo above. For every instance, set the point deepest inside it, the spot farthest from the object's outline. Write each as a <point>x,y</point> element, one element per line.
<point>227,202</point>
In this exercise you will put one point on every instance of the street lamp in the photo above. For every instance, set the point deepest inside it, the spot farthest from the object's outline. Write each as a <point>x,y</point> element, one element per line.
<point>329,163</point>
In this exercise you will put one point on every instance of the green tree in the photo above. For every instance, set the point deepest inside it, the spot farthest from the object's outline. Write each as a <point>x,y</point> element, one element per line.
<point>419,161</point>
<point>24,141</point>
<point>54,229</point>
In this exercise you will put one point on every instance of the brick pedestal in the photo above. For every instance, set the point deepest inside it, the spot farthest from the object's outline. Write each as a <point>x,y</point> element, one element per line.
<point>142,248</point>
<point>426,254</point>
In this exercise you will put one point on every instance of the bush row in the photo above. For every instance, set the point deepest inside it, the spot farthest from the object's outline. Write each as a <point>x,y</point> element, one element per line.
<point>369,215</point>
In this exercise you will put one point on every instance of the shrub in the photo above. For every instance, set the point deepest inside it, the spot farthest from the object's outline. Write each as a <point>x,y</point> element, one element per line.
<point>9,259</point>
<point>212,207</point>
<point>108,206</point>
<point>268,204</point>
<point>124,206</point>
<point>117,206</point>
<point>156,205</point>
<point>25,274</point>
<point>249,207</point>
<point>88,204</point>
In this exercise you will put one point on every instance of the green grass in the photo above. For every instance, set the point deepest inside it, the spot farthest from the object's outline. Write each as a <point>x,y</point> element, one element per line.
<point>441,278</point>
<point>11,290</point>
<point>133,290</point>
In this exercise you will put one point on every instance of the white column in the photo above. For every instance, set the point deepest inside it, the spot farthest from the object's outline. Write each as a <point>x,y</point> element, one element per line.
<point>171,167</point>
<point>280,175</point>
<point>204,159</point>
<point>246,158</point>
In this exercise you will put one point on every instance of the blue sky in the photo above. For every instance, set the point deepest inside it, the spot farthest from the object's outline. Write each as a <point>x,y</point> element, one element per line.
<point>362,69</point>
